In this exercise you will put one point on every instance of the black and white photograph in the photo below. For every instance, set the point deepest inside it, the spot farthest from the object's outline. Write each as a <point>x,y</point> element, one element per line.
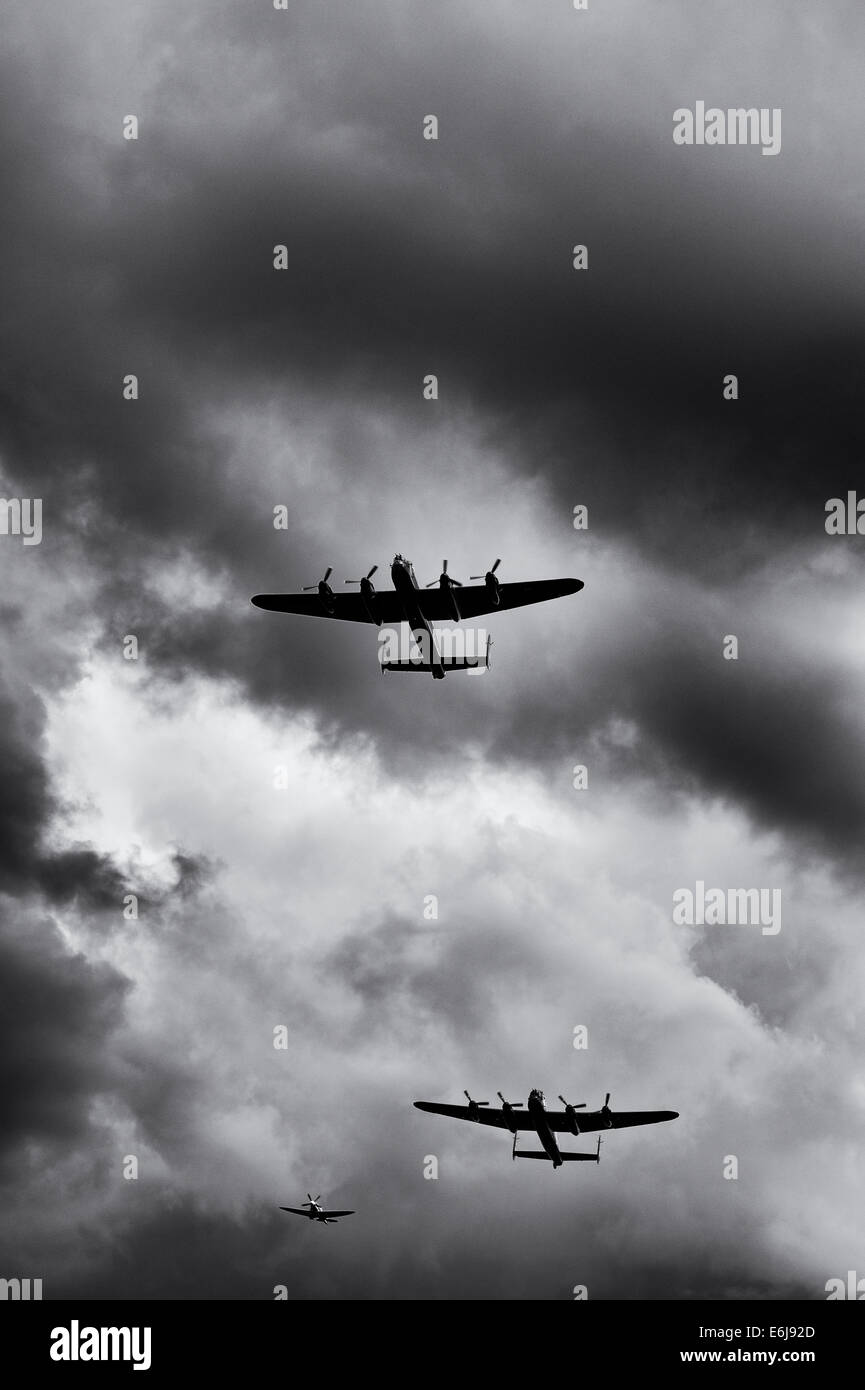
<point>432,659</point>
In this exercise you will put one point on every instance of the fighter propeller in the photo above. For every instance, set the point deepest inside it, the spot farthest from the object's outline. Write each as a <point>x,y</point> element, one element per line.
<point>313,1212</point>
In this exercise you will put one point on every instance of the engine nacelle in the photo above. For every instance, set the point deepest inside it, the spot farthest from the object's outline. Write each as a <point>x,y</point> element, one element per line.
<point>324,591</point>
<point>571,1115</point>
<point>474,1107</point>
<point>367,594</point>
<point>491,583</point>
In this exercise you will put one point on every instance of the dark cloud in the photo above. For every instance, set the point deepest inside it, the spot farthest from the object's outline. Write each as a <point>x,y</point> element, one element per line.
<point>407,977</point>
<point>408,256</point>
<point>303,387</point>
<point>253,1258</point>
<point>26,807</point>
<point>60,1012</point>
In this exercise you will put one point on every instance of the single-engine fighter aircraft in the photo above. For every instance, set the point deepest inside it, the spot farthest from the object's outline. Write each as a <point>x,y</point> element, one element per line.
<point>448,601</point>
<point>546,1124</point>
<point>313,1212</point>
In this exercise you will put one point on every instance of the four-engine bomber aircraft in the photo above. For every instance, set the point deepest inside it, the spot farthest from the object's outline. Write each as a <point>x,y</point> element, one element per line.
<point>546,1124</point>
<point>313,1212</point>
<point>449,601</point>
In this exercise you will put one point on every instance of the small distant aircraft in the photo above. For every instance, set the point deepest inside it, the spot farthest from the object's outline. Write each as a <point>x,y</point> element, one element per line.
<point>449,601</point>
<point>546,1124</point>
<point>313,1212</point>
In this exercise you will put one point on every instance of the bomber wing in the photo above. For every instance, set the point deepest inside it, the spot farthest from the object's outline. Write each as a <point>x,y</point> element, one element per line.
<point>482,1115</point>
<point>616,1119</point>
<point>347,608</point>
<point>588,1121</point>
<point>474,599</point>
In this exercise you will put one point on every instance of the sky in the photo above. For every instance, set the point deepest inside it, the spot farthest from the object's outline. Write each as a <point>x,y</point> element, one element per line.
<point>284,815</point>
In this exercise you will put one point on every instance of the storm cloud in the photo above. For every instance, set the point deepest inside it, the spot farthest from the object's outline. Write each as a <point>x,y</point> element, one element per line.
<point>303,909</point>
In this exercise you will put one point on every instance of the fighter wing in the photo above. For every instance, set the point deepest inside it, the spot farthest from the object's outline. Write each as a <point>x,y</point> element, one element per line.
<point>348,608</point>
<point>474,599</point>
<point>617,1119</point>
<point>298,1211</point>
<point>484,1115</point>
<point>337,1213</point>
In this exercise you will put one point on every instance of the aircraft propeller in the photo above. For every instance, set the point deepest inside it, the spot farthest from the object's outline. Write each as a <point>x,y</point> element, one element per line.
<point>325,592</point>
<point>445,580</point>
<point>474,1105</point>
<point>508,1112</point>
<point>366,578</point>
<point>492,583</point>
<point>308,588</point>
<point>367,594</point>
<point>311,1200</point>
<point>571,1112</point>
